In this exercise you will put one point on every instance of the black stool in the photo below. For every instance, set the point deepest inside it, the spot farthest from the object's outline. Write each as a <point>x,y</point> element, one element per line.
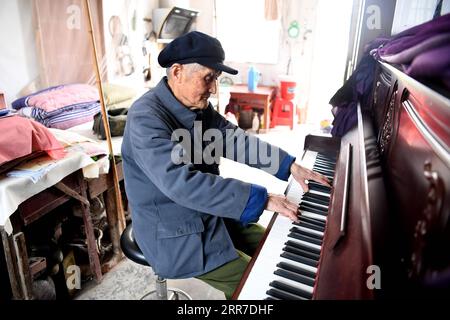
<point>132,252</point>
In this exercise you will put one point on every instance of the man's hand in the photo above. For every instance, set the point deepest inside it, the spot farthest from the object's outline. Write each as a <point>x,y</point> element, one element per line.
<point>283,206</point>
<point>301,174</point>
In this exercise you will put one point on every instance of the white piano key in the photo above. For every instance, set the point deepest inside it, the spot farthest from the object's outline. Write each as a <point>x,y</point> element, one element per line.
<point>313,215</point>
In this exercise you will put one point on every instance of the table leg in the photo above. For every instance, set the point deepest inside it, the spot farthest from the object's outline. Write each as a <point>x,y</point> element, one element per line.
<point>267,114</point>
<point>23,265</point>
<point>94,260</point>
<point>115,228</point>
<point>8,250</point>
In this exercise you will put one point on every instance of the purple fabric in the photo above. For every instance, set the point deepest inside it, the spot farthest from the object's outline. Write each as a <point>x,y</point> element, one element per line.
<point>430,63</point>
<point>409,54</point>
<point>356,89</point>
<point>415,35</point>
<point>422,51</point>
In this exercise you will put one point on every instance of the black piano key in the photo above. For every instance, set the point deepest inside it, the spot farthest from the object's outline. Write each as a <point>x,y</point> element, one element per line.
<point>312,205</point>
<point>308,197</point>
<point>307,206</point>
<point>320,189</point>
<point>324,167</point>
<point>326,157</point>
<point>313,221</point>
<point>301,246</point>
<point>318,201</point>
<point>290,289</point>
<point>290,267</point>
<point>313,210</point>
<point>304,249</point>
<point>283,295</point>
<point>300,259</point>
<point>325,163</point>
<point>330,176</point>
<point>317,196</point>
<point>314,257</point>
<point>311,197</point>
<point>325,173</point>
<point>306,233</point>
<point>309,226</point>
<point>294,277</point>
<point>305,238</point>
<point>318,185</point>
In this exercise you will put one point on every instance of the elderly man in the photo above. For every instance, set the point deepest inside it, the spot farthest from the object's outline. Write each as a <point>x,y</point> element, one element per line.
<point>187,220</point>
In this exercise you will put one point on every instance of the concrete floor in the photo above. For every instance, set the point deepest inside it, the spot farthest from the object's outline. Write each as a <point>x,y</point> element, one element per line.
<point>130,281</point>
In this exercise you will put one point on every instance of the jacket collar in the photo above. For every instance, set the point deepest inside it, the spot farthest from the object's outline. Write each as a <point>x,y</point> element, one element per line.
<point>185,116</point>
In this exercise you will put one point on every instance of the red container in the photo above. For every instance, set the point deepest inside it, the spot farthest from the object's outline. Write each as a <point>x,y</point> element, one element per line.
<point>288,89</point>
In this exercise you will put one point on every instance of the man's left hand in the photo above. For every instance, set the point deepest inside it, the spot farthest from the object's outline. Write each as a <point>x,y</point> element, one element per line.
<point>301,174</point>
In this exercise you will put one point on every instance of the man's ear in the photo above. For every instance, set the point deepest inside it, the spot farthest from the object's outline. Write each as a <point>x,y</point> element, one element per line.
<point>176,71</point>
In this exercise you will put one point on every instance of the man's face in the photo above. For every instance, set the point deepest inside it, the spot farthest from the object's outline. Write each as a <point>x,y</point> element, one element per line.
<point>195,86</point>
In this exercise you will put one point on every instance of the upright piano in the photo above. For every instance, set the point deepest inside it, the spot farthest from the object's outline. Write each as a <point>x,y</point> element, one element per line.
<point>382,230</point>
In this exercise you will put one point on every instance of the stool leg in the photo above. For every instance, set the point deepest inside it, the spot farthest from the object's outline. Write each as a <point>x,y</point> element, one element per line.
<point>161,288</point>
<point>161,292</point>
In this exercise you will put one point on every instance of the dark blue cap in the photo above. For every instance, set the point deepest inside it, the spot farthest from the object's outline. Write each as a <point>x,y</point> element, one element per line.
<point>195,47</point>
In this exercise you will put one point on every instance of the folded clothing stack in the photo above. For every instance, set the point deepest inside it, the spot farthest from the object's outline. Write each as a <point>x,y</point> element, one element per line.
<point>118,96</point>
<point>118,100</point>
<point>61,106</point>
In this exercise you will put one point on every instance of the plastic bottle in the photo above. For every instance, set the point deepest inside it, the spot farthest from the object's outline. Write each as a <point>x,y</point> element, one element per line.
<point>253,78</point>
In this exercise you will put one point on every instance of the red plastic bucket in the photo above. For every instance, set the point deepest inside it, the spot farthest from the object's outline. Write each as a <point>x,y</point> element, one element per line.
<point>287,89</point>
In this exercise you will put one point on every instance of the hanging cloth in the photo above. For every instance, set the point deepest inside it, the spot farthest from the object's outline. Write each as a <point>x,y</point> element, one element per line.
<point>271,10</point>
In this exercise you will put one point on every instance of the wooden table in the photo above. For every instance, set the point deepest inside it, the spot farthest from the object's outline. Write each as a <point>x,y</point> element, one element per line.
<point>74,186</point>
<point>259,99</point>
<point>31,210</point>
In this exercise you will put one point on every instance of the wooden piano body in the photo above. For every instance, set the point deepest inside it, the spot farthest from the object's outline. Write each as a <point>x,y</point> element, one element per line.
<point>388,232</point>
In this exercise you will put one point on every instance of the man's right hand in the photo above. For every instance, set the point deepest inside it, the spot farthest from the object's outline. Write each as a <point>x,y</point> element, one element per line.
<point>283,206</point>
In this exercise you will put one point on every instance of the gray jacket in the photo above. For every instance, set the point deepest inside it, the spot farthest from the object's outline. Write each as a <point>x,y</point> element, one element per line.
<point>178,209</point>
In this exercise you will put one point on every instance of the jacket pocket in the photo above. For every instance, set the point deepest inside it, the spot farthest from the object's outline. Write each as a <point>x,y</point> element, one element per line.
<point>180,248</point>
<point>178,229</point>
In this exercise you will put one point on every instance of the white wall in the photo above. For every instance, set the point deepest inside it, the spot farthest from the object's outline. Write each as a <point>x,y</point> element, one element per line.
<point>18,60</point>
<point>205,20</point>
<point>329,56</point>
<point>270,72</point>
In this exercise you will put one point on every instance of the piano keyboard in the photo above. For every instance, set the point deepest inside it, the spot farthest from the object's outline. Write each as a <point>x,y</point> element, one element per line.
<point>286,266</point>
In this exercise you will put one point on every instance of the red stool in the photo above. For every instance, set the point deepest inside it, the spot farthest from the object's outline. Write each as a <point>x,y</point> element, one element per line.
<point>282,113</point>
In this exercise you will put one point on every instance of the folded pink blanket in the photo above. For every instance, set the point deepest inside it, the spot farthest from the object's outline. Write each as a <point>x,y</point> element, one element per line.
<point>21,137</point>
